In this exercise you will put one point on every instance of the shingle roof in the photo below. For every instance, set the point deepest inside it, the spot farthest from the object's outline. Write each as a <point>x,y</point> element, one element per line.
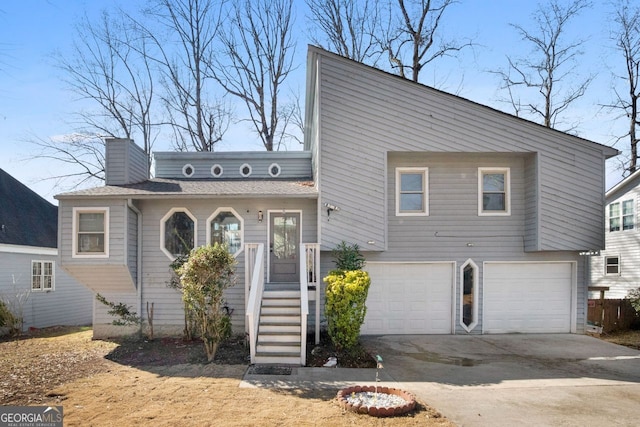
<point>158,187</point>
<point>25,217</point>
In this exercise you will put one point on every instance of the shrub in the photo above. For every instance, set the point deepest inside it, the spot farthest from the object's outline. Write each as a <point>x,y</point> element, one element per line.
<point>634,297</point>
<point>124,313</point>
<point>347,257</point>
<point>203,278</point>
<point>346,294</point>
<point>9,320</point>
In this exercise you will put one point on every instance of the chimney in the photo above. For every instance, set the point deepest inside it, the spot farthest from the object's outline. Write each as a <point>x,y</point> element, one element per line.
<point>126,162</point>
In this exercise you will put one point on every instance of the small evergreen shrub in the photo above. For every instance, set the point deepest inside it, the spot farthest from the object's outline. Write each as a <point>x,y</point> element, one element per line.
<point>9,320</point>
<point>346,295</point>
<point>634,297</point>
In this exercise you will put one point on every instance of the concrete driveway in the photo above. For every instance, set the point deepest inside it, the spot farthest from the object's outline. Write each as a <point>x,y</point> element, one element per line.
<point>515,380</point>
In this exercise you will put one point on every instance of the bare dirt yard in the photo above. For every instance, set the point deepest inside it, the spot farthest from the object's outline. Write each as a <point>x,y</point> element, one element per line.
<point>165,382</point>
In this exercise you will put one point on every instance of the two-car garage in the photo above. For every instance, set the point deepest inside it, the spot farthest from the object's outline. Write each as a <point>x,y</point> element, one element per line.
<point>516,297</point>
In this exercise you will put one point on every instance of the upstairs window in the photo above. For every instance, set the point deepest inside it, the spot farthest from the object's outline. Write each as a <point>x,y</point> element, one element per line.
<point>411,191</point>
<point>177,232</point>
<point>494,191</point>
<point>226,227</point>
<point>621,216</point>
<point>91,232</point>
<point>42,278</point>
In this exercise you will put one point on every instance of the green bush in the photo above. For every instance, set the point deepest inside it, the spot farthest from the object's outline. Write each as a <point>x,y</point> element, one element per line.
<point>8,319</point>
<point>634,297</point>
<point>203,279</point>
<point>347,257</point>
<point>345,307</point>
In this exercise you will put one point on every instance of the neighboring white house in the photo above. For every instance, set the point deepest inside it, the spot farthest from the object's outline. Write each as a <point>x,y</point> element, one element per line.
<point>31,282</point>
<point>618,265</point>
<point>471,220</point>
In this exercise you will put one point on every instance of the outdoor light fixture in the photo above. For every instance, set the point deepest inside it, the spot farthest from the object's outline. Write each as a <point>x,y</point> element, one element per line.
<point>330,208</point>
<point>260,216</point>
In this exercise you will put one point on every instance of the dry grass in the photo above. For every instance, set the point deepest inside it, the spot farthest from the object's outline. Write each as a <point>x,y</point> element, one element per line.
<point>627,338</point>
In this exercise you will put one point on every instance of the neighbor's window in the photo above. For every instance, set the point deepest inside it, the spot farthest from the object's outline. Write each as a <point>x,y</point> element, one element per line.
<point>91,232</point>
<point>412,191</point>
<point>177,232</point>
<point>42,276</point>
<point>621,216</point>
<point>493,191</point>
<point>612,265</point>
<point>225,227</point>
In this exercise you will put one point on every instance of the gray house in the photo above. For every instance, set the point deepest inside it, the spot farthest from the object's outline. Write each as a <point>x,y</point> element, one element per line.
<point>616,268</point>
<point>31,282</point>
<point>472,221</point>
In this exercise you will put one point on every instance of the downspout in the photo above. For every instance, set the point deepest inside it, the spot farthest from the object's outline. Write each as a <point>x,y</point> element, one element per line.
<point>139,254</point>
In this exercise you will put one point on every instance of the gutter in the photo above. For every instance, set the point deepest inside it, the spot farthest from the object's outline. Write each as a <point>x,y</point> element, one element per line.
<point>131,206</point>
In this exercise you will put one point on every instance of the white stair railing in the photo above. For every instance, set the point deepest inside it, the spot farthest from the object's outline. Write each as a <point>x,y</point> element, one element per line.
<point>310,268</point>
<point>254,279</point>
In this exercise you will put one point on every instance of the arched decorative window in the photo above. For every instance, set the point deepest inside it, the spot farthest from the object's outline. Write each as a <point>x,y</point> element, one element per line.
<point>226,227</point>
<point>469,295</point>
<point>177,233</point>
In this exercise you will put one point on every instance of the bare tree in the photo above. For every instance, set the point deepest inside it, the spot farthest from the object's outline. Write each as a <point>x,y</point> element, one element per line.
<point>627,39</point>
<point>349,27</point>
<point>546,70</point>
<point>107,68</point>
<point>259,55</point>
<point>411,36</point>
<point>198,117</point>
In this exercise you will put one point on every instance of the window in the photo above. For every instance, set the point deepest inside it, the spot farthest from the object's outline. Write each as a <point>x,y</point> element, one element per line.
<point>245,170</point>
<point>621,216</point>
<point>612,265</point>
<point>91,232</point>
<point>274,170</point>
<point>216,171</point>
<point>226,227</point>
<point>469,295</point>
<point>42,276</point>
<point>188,170</point>
<point>493,191</point>
<point>411,191</point>
<point>177,232</point>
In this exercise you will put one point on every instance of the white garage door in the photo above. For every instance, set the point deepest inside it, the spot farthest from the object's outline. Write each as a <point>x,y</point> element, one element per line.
<point>408,298</point>
<point>527,297</point>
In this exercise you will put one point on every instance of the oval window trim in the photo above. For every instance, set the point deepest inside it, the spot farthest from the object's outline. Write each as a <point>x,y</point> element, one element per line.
<point>220,170</point>
<point>273,166</point>
<point>246,166</point>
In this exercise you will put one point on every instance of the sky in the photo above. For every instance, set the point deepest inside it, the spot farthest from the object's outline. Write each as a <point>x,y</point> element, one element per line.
<point>35,103</point>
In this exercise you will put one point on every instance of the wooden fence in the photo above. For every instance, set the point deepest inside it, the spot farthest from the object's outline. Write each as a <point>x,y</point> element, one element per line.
<point>612,314</point>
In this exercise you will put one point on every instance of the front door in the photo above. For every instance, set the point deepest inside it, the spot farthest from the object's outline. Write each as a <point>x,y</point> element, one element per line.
<point>284,247</point>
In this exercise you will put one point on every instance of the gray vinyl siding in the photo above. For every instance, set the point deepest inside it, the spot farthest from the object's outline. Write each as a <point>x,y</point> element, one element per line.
<point>69,303</point>
<point>126,162</point>
<point>293,165</point>
<point>156,273</point>
<point>132,244</point>
<point>531,197</point>
<point>365,113</point>
<point>625,245</point>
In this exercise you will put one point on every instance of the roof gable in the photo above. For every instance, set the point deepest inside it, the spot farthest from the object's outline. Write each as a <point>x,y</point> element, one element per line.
<point>25,217</point>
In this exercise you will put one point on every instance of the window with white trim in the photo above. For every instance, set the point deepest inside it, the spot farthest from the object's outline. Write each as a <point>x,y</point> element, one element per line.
<point>177,232</point>
<point>91,232</point>
<point>494,187</point>
<point>622,216</point>
<point>412,186</point>
<point>612,265</point>
<point>42,277</point>
<point>226,227</point>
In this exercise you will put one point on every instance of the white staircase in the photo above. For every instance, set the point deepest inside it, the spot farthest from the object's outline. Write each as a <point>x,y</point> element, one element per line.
<point>280,326</point>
